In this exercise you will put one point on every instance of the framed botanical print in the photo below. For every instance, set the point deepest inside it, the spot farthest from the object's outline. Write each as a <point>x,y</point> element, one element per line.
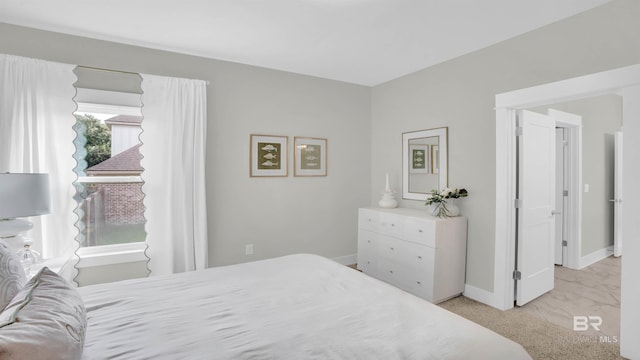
<point>268,155</point>
<point>419,157</point>
<point>310,156</point>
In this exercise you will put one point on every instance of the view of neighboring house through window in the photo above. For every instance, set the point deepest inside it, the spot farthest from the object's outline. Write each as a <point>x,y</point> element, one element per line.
<point>109,186</point>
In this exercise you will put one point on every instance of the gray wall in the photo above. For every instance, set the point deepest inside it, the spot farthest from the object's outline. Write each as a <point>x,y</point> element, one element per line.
<point>461,93</point>
<point>109,273</point>
<point>601,118</point>
<point>278,215</point>
<point>364,128</point>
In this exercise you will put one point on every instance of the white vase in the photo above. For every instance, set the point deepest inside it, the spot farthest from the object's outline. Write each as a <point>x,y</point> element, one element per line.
<point>452,207</point>
<point>388,202</point>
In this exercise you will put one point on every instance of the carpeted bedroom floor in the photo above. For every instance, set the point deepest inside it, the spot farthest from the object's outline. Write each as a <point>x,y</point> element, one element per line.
<point>544,326</point>
<point>541,338</point>
<point>594,290</point>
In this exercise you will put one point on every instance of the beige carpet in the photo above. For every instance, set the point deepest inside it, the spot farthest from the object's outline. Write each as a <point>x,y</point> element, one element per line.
<point>594,290</point>
<point>542,339</point>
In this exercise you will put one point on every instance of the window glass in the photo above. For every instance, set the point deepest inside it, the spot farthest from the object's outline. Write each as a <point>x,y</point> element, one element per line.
<point>109,187</point>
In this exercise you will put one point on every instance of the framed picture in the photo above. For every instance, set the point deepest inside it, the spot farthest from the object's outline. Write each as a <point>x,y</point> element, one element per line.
<point>310,156</point>
<point>268,155</point>
<point>419,159</point>
<point>435,159</point>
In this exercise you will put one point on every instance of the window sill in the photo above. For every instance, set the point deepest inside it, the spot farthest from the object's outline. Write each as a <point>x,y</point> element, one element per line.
<point>111,254</point>
<point>54,264</point>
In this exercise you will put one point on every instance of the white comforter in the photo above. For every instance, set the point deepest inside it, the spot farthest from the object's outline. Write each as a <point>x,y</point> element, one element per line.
<point>294,307</point>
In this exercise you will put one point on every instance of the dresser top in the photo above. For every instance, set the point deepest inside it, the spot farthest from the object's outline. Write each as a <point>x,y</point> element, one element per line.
<point>418,213</point>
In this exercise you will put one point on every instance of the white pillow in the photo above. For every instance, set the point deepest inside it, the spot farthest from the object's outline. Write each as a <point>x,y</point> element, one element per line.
<point>12,277</point>
<point>45,320</point>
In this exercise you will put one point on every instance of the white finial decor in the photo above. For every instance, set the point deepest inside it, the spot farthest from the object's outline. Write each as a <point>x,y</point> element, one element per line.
<point>387,201</point>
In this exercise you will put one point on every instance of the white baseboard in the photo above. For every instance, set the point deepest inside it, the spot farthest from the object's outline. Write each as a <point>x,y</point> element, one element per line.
<point>481,295</point>
<point>594,257</point>
<point>346,260</point>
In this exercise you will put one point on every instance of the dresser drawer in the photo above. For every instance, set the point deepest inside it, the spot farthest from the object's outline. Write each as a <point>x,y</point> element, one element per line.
<point>367,252</point>
<point>418,270</point>
<point>419,258</point>
<point>393,273</point>
<point>393,249</point>
<point>368,220</point>
<point>367,241</point>
<point>405,279</point>
<point>367,263</point>
<point>421,286</point>
<point>420,231</point>
<point>391,225</point>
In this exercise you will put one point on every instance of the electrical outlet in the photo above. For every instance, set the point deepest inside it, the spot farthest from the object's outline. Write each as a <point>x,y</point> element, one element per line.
<point>248,249</point>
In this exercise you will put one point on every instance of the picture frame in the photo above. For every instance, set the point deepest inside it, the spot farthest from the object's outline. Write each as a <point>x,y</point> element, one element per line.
<point>419,159</point>
<point>435,159</point>
<point>310,156</point>
<point>268,156</point>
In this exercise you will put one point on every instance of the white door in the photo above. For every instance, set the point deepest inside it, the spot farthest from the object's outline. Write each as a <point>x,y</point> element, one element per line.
<point>536,194</point>
<point>617,198</point>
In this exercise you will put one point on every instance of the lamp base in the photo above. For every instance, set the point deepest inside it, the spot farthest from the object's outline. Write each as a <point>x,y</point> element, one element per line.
<point>10,230</point>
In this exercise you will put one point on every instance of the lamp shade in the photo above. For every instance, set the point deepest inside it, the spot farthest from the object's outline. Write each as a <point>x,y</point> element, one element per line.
<point>23,195</point>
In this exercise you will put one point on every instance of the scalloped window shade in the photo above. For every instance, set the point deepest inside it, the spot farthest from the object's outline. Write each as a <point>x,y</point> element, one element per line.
<point>110,200</point>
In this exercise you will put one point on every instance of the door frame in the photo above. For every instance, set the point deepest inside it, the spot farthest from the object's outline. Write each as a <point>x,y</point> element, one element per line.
<point>573,125</point>
<point>507,104</point>
<point>560,255</point>
<point>618,193</point>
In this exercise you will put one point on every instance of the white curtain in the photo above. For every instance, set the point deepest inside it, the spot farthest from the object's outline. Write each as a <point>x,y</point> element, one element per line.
<point>173,147</point>
<point>36,136</point>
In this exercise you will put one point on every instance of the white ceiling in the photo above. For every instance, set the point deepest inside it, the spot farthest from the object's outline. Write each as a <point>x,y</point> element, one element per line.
<point>358,41</point>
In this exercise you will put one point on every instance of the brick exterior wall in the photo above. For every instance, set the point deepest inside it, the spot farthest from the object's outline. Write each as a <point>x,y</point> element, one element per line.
<point>122,202</point>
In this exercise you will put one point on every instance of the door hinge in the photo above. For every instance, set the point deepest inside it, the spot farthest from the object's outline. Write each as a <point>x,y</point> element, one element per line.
<point>517,275</point>
<point>519,131</point>
<point>564,242</point>
<point>517,203</point>
<point>565,192</point>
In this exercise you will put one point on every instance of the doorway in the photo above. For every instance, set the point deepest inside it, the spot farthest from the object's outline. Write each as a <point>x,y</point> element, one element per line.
<point>568,192</point>
<point>549,168</point>
<point>625,80</point>
<point>582,212</point>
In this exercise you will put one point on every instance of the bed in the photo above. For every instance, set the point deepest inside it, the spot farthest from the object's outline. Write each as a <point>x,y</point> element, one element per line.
<point>293,307</point>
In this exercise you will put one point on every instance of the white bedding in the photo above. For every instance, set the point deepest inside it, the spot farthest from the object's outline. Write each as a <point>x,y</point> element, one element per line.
<point>293,307</point>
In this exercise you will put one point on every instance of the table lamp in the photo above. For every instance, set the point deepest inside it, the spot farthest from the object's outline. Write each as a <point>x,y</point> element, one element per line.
<point>21,195</point>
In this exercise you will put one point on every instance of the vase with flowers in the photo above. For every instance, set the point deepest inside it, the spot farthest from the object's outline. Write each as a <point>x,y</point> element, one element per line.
<point>441,202</point>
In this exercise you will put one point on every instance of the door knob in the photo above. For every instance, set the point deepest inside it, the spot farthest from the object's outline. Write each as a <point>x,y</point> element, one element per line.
<point>554,212</point>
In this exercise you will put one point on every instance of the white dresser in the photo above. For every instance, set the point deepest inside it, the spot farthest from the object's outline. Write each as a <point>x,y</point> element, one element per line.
<point>414,251</point>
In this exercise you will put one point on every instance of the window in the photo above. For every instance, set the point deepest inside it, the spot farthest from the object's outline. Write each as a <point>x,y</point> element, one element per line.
<point>109,186</point>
